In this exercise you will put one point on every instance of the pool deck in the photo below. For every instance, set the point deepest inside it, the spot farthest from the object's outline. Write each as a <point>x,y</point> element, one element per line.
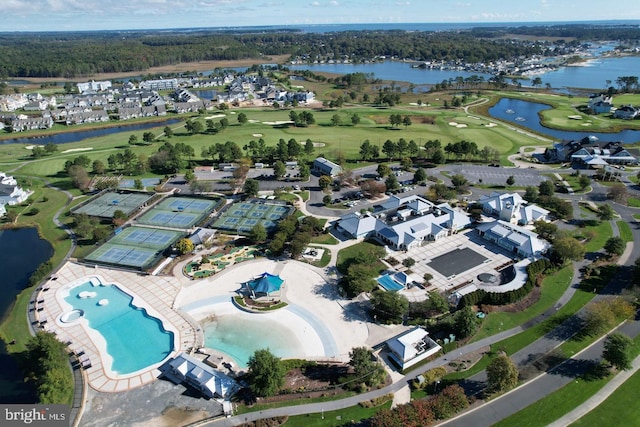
<point>152,292</point>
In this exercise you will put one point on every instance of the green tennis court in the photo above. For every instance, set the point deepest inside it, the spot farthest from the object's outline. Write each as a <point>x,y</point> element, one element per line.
<point>178,212</point>
<point>106,204</point>
<point>146,237</point>
<point>241,217</point>
<point>127,256</point>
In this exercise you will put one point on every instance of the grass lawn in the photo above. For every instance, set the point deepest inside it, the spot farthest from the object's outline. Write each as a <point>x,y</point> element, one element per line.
<point>572,395</point>
<point>600,234</point>
<point>633,202</point>
<point>243,409</point>
<point>325,239</point>
<point>288,197</point>
<point>304,195</point>
<point>625,231</point>
<point>352,251</point>
<point>552,288</point>
<point>337,418</point>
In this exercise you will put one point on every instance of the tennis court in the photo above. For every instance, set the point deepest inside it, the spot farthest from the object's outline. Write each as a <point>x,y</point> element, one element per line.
<point>106,204</point>
<point>241,217</point>
<point>178,212</point>
<point>150,238</point>
<point>127,256</point>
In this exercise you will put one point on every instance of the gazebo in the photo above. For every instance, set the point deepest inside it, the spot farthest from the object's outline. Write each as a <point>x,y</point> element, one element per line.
<point>264,285</point>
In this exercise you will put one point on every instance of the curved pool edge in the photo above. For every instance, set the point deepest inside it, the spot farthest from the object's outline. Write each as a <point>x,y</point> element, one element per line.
<point>132,379</point>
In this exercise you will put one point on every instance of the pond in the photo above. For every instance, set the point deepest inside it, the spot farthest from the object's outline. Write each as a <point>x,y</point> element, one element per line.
<point>525,114</point>
<point>22,252</point>
<point>75,136</point>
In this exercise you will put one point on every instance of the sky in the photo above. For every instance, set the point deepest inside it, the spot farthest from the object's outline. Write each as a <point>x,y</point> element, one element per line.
<point>81,15</point>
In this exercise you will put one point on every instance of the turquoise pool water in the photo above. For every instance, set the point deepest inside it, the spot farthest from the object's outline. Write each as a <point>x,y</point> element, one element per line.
<point>389,284</point>
<point>240,335</point>
<point>135,340</point>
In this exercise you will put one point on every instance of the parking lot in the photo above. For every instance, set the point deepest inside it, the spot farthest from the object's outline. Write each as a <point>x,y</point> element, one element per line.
<point>498,175</point>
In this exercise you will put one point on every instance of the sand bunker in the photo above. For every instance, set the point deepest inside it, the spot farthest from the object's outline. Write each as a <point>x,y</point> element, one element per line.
<point>461,125</point>
<point>253,121</point>
<point>71,150</point>
<point>490,125</point>
<point>280,122</point>
<point>453,123</point>
<point>31,147</point>
<point>257,135</point>
<point>217,116</point>
<point>575,117</point>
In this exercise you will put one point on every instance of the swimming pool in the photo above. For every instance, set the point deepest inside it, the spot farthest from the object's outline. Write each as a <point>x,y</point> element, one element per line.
<point>134,339</point>
<point>387,282</point>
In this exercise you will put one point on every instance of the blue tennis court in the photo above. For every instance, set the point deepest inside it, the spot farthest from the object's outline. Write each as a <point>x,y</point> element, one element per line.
<point>123,255</point>
<point>146,237</point>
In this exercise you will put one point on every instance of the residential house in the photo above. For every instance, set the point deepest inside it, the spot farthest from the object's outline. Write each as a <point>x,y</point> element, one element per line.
<point>10,193</point>
<point>626,112</point>
<point>411,347</point>
<point>600,103</point>
<point>161,84</point>
<point>93,86</point>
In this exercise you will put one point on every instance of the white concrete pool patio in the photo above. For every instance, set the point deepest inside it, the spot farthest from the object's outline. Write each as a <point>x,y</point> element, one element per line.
<point>325,326</point>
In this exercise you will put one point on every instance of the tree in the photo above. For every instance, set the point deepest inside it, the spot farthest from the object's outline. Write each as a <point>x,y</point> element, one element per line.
<point>602,315</point>
<point>193,127</point>
<point>368,151</point>
<point>406,121</point>
<point>325,182</point>
<point>258,233</point>
<point>148,137</point>
<point>304,171</point>
<point>79,177</point>
<point>98,167</point>
<point>530,194</point>
<point>266,373</point>
<point>388,307</point>
<point>546,188</point>
<point>189,176</point>
<point>133,139</point>
<point>308,147</point>
<point>511,180</point>
<point>365,368</point>
<point>390,149</point>
<point>546,230</point>
<point>502,374</point>
<point>409,262</point>
<point>279,169</point>
<point>355,119</point>
<point>251,187</point>
<point>618,193</point>
<point>438,157</point>
<point>617,351</point>
<point>383,170</point>
<point>584,181</point>
<point>168,132</point>
<point>419,176</point>
<point>392,182</point>
<point>137,184</point>
<point>615,246</point>
<point>326,200</point>
<point>465,322</point>
<point>242,118</point>
<point>459,181</point>
<point>335,120</point>
<point>47,367</point>
<point>184,246</point>
<point>605,212</point>
<point>567,249</point>
<point>437,301</point>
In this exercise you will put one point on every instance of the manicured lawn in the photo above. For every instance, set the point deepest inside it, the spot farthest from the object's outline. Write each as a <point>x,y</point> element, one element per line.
<point>633,202</point>
<point>625,231</point>
<point>620,409</point>
<point>243,409</point>
<point>601,233</point>
<point>572,395</point>
<point>325,239</point>
<point>352,251</point>
<point>337,418</point>
<point>305,195</point>
<point>552,288</point>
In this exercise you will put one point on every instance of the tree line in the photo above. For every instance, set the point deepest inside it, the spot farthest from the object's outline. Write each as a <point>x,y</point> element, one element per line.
<point>82,54</point>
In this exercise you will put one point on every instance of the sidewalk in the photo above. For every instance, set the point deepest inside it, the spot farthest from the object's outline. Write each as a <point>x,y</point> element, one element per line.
<point>598,398</point>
